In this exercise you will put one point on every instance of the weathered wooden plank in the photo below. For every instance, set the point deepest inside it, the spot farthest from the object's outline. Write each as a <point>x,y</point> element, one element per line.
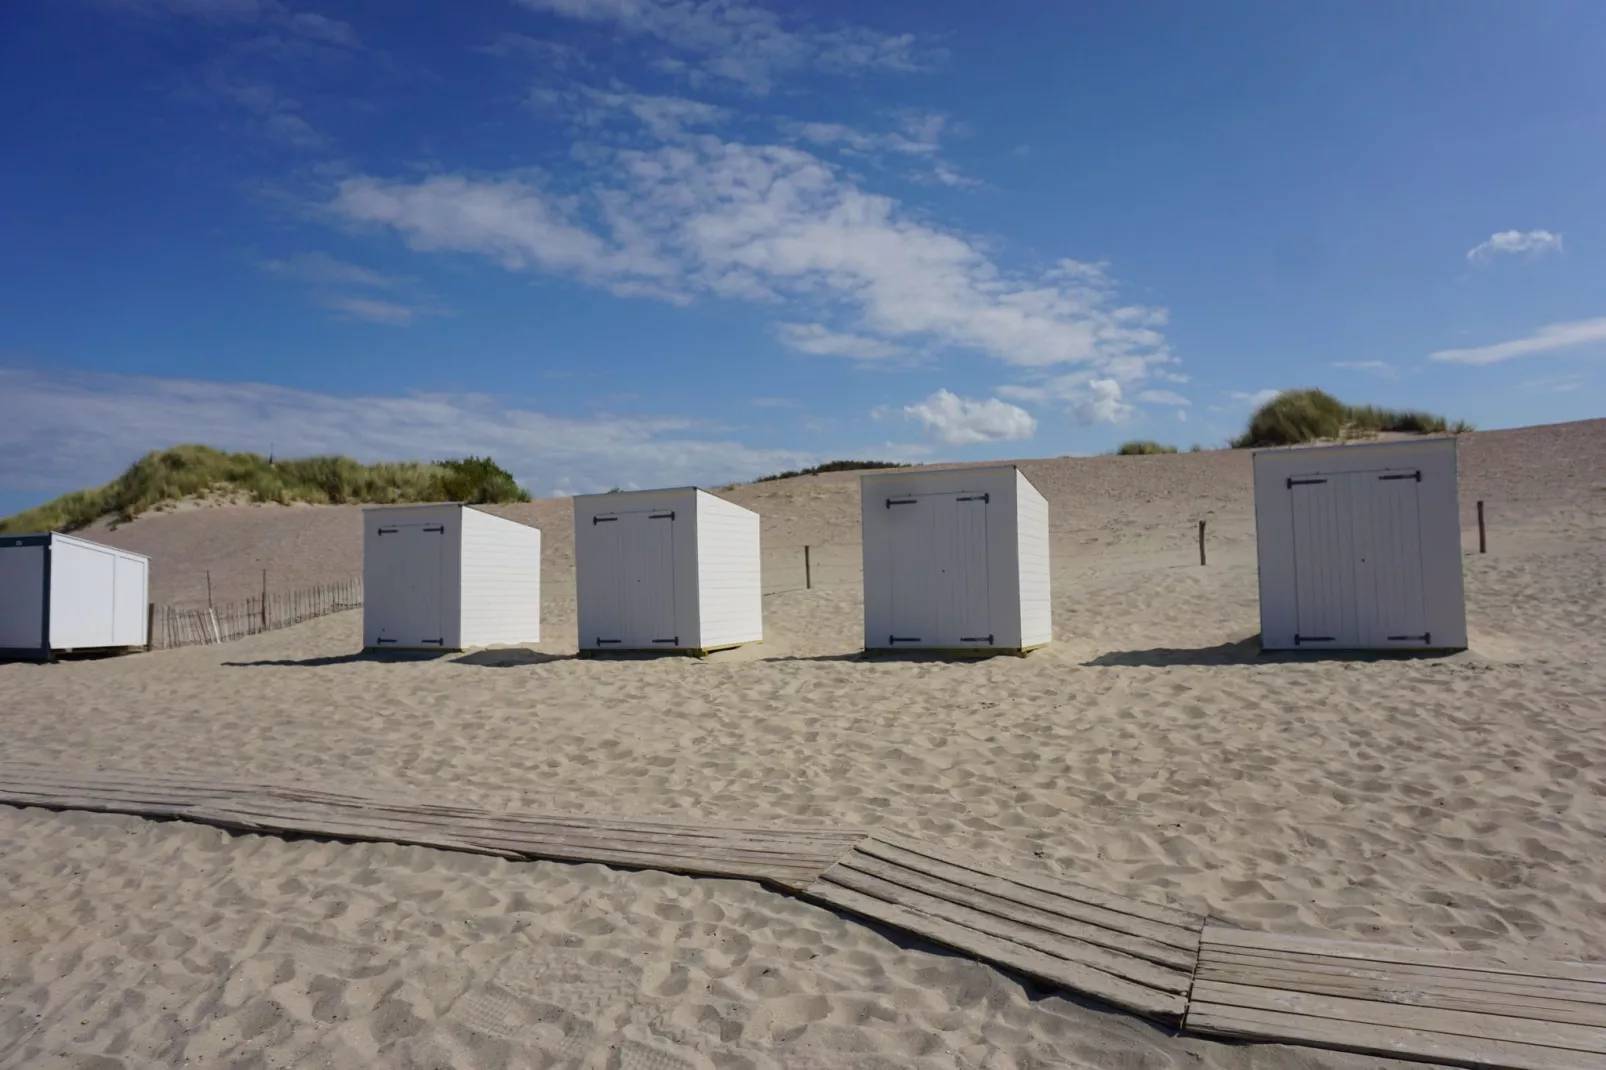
<point>1410,992</point>
<point>1246,939</point>
<point>1136,970</point>
<point>1129,946</point>
<point>1562,988</point>
<point>1150,1002</point>
<point>1279,1027</point>
<point>1113,921</point>
<point>336,829</point>
<point>1056,886</point>
<point>1370,1012</point>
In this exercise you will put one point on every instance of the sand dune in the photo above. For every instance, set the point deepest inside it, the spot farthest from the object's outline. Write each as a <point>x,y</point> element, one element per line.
<point>1452,801</point>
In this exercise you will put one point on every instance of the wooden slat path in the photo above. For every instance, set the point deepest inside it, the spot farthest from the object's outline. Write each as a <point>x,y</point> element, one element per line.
<point>1378,998</point>
<point>789,858</point>
<point>1135,955</point>
<point>1155,960</point>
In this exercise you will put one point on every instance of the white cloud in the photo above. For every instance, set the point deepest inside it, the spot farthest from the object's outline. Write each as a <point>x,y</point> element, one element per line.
<point>1554,384</point>
<point>820,340</point>
<point>277,116</point>
<point>269,14</point>
<point>1103,404</point>
<point>1380,368</point>
<point>1087,398</point>
<point>744,43</point>
<point>965,421</point>
<point>373,310</point>
<point>1544,340</point>
<point>60,431</point>
<point>1255,399</point>
<point>1533,242</point>
<point>918,136</point>
<point>331,281</point>
<point>1182,414</point>
<point>666,118</point>
<point>1162,397</point>
<point>765,222</point>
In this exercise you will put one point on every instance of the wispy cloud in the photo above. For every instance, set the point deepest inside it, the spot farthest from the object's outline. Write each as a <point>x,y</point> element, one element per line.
<point>1554,384</point>
<point>820,340</point>
<point>916,137</point>
<point>665,118</point>
<point>268,15</point>
<point>960,421</point>
<point>1380,368</point>
<point>1545,340</point>
<point>276,116</point>
<point>331,282</point>
<point>60,430</point>
<point>1162,397</point>
<point>763,223</point>
<point>1255,398</point>
<point>1087,398</point>
<point>1509,242</point>
<point>745,43</point>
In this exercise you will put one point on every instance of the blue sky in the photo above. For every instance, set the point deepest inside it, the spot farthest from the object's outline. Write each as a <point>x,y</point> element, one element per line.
<point>643,242</point>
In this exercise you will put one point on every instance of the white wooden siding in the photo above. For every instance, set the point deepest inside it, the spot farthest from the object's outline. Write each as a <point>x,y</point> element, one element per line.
<point>1360,546</point>
<point>131,600</point>
<point>412,577</point>
<point>83,591</point>
<point>501,577</point>
<point>1036,585</point>
<point>22,592</point>
<point>730,582</point>
<point>636,570</point>
<point>944,572</point>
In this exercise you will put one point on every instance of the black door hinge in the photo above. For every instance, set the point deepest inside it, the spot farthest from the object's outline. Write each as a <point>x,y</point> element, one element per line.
<point>983,498</point>
<point>976,639</point>
<point>1292,483</point>
<point>1425,637</point>
<point>1404,475</point>
<point>387,531</point>
<point>901,501</point>
<point>602,520</point>
<point>661,516</point>
<point>435,642</point>
<point>893,640</point>
<point>675,640</point>
<point>1312,639</point>
<point>381,642</point>
<point>437,531</point>
<point>600,642</point>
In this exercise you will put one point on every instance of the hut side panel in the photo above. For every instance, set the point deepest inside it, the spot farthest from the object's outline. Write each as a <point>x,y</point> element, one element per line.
<point>501,578</point>
<point>1036,585</point>
<point>729,573</point>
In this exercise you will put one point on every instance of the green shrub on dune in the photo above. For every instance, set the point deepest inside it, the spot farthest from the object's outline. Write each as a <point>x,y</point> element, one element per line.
<point>1313,415</point>
<point>1139,447</point>
<point>188,471</point>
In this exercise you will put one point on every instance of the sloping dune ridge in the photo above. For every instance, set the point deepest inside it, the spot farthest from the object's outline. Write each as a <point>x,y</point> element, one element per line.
<point>1455,802</point>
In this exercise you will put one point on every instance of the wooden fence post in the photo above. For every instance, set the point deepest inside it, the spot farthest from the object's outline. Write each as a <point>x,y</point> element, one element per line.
<point>1201,542</point>
<point>808,573</point>
<point>150,624</point>
<point>1483,545</point>
<point>264,599</point>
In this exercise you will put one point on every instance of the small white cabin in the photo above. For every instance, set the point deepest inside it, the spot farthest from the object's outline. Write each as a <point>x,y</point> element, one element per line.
<point>955,559</point>
<point>1360,547</point>
<point>670,570</point>
<point>448,577</point>
<point>60,594</point>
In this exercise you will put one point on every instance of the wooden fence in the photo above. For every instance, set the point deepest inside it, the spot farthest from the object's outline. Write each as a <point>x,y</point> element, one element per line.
<point>172,626</point>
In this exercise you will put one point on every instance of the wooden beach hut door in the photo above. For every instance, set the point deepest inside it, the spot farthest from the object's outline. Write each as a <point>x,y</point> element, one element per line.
<point>636,600</point>
<point>412,558</point>
<point>1358,560</point>
<point>938,549</point>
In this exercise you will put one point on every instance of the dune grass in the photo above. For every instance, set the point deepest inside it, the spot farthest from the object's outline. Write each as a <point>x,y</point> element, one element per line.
<point>1139,447</point>
<point>830,466</point>
<point>1313,415</point>
<point>170,475</point>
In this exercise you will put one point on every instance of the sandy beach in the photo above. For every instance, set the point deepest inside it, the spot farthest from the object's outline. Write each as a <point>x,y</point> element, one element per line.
<point>1453,801</point>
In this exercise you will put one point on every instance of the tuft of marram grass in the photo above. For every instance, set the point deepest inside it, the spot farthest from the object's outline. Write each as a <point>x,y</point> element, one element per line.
<point>165,476</point>
<point>1312,415</point>
<point>1141,446</point>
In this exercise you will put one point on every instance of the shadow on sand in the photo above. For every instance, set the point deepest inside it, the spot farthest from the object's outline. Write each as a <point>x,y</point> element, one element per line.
<point>1248,652</point>
<point>509,658</point>
<point>338,659</point>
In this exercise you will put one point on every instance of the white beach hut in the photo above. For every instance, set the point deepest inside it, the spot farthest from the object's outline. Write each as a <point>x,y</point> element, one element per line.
<point>955,559</point>
<point>670,570</point>
<point>447,577</point>
<point>59,594</point>
<point>1360,547</point>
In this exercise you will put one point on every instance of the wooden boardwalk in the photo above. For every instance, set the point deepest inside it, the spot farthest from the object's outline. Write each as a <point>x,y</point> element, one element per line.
<point>1157,961</point>
<point>1440,1005</point>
